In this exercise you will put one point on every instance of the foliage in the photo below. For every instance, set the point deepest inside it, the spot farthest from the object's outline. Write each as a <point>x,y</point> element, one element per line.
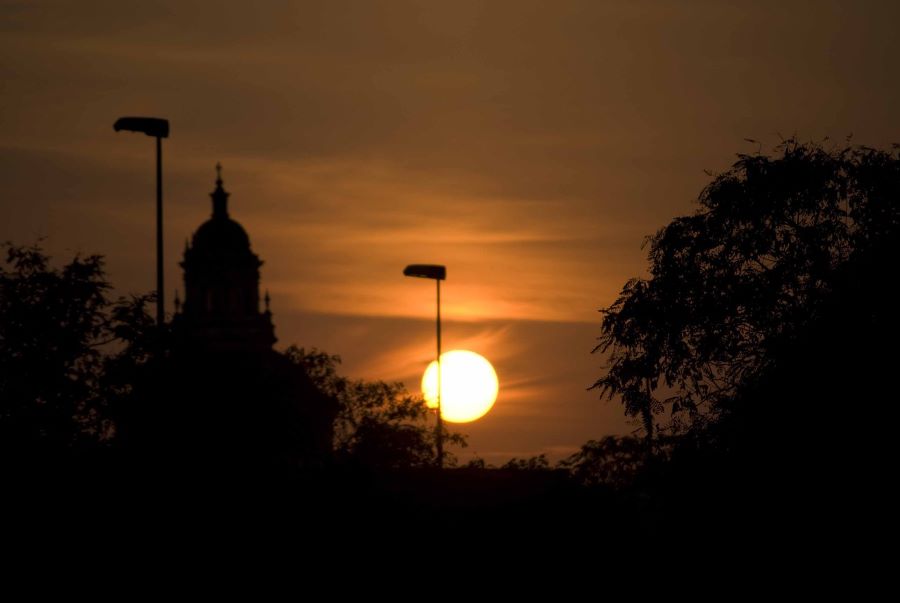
<point>477,463</point>
<point>55,325</point>
<point>534,463</point>
<point>611,461</point>
<point>128,366</point>
<point>748,271</point>
<point>378,423</point>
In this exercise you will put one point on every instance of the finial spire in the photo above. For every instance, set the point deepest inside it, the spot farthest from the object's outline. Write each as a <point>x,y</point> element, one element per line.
<point>219,196</point>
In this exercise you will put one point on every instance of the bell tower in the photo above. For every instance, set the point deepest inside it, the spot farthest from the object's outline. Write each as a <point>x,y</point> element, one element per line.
<point>221,279</point>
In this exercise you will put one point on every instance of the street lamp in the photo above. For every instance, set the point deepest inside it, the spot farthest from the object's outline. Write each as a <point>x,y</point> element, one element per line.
<point>158,128</point>
<point>438,273</point>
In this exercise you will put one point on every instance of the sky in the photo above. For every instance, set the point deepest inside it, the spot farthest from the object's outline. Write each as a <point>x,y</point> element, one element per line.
<point>528,146</point>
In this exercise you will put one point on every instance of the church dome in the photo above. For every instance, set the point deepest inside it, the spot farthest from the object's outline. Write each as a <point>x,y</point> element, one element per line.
<point>220,235</point>
<point>221,283</point>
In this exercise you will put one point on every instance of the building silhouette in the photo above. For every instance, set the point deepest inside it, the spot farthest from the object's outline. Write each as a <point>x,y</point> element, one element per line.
<point>229,401</point>
<point>221,279</point>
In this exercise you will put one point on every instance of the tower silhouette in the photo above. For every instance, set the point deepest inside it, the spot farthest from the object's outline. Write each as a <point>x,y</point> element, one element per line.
<point>221,279</point>
<point>231,402</point>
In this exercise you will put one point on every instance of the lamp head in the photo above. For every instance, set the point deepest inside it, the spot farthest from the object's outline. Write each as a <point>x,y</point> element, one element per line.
<point>433,271</point>
<point>151,126</point>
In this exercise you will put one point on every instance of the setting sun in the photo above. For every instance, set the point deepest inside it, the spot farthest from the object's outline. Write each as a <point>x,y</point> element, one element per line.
<point>469,386</point>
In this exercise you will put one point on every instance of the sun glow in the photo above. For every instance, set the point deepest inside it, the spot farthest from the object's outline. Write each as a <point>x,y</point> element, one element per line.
<point>469,386</point>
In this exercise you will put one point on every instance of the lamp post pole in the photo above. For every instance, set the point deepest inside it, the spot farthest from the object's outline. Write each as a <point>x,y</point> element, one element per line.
<point>438,273</point>
<point>159,129</point>
<point>439,436</point>
<point>160,296</point>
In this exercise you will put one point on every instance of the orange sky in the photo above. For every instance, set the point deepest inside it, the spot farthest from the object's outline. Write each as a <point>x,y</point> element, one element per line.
<point>529,146</point>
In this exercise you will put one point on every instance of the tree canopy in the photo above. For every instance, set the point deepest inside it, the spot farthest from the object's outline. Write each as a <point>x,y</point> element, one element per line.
<point>378,424</point>
<point>756,265</point>
<point>56,334</point>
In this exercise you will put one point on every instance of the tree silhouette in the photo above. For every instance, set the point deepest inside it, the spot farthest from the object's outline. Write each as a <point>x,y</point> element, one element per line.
<point>534,463</point>
<point>55,323</point>
<point>378,424</point>
<point>612,461</point>
<point>731,285</point>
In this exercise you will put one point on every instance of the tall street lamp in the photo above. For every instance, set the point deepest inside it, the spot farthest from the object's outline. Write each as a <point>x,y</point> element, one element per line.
<point>438,273</point>
<point>158,128</point>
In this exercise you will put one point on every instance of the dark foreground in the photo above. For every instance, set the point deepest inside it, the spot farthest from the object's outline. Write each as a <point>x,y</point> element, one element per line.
<point>515,514</point>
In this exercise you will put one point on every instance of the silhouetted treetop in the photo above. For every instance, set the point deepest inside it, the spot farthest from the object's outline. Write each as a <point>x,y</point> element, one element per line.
<point>378,423</point>
<point>56,325</point>
<point>751,268</point>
